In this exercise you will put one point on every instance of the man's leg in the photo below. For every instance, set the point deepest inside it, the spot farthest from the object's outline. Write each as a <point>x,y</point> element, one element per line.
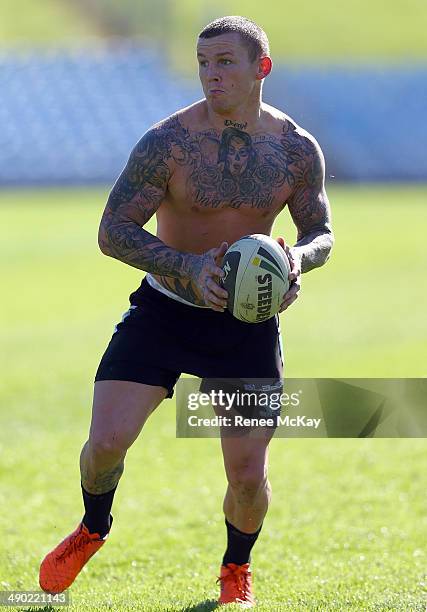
<point>120,410</point>
<point>249,492</point>
<point>245,506</point>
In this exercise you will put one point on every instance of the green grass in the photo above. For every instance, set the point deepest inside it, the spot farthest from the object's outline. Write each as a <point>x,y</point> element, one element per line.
<point>41,22</point>
<point>308,31</point>
<point>346,530</point>
<point>364,314</point>
<point>355,31</point>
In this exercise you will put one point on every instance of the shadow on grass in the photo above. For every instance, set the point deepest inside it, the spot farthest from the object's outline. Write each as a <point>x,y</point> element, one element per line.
<point>204,606</point>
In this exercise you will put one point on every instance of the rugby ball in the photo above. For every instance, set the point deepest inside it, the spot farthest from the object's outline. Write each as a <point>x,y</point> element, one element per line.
<point>256,271</point>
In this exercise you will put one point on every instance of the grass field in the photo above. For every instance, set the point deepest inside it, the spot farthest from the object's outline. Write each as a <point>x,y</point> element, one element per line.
<point>360,30</point>
<point>347,527</point>
<point>48,22</point>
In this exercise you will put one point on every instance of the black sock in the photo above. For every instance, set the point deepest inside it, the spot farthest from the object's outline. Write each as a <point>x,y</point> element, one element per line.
<point>239,545</point>
<point>97,516</point>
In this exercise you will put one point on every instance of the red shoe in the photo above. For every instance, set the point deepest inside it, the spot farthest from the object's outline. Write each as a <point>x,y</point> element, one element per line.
<point>61,566</point>
<point>236,585</point>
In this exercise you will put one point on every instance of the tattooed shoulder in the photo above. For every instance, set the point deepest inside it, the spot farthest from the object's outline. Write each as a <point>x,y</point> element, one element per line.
<point>308,202</point>
<point>304,152</point>
<point>143,182</point>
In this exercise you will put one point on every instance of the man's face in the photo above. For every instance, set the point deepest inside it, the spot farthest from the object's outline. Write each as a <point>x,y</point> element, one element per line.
<point>227,75</point>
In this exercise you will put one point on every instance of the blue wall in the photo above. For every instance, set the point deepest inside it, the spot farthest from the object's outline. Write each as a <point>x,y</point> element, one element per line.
<point>72,118</point>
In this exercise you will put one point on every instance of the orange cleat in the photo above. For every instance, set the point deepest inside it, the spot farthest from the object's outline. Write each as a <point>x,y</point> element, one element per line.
<point>61,566</point>
<point>236,585</point>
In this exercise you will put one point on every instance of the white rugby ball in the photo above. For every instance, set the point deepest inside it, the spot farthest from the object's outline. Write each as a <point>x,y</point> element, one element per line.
<point>256,278</point>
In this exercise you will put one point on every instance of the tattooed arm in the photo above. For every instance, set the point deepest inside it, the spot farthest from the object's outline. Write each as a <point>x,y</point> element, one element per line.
<point>310,211</point>
<point>134,199</point>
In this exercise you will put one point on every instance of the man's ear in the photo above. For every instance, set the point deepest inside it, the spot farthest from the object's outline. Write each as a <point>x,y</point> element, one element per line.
<point>264,67</point>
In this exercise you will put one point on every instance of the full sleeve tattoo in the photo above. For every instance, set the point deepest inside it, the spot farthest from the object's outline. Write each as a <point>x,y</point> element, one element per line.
<point>134,199</point>
<point>309,208</point>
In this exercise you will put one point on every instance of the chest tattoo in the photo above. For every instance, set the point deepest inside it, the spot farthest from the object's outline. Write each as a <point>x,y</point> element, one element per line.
<point>233,168</point>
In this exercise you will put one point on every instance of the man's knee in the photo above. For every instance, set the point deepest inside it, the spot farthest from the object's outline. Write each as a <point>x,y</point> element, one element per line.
<point>120,409</point>
<point>251,478</point>
<point>107,447</point>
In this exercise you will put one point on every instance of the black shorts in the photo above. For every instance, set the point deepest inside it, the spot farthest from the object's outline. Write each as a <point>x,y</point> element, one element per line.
<point>160,338</point>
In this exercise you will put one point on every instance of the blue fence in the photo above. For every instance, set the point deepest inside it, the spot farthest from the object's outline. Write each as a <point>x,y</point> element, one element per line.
<point>72,118</point>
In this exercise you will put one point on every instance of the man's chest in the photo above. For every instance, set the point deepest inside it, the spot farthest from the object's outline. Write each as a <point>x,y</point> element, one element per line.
<point>232,170</point>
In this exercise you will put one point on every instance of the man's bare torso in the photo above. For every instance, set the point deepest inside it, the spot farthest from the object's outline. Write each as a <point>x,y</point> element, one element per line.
<point>224,185</point>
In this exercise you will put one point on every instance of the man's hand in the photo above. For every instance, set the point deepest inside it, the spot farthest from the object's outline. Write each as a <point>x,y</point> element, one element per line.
<point>294,275</point>
<point>205,272</point>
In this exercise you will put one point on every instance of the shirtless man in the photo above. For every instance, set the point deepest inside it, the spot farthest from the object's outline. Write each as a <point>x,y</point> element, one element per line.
<point>220,169</point>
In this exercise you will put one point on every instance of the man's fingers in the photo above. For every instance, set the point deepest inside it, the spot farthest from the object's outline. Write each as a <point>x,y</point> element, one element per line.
<point>220,251</point>
<point>213,301</point>
<point>293,274</point>
<point>223,248</point>
<point>214,306</point>
<point>293,289</point>
<point>214,270</point>
<point>215,297</point>
<point>290,296</point>
<point>295,269</point>
<point>288,302</point>
<point>217,290</point>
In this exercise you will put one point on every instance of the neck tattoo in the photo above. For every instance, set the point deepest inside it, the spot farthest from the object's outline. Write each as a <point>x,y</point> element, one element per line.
<point>239,126</point>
